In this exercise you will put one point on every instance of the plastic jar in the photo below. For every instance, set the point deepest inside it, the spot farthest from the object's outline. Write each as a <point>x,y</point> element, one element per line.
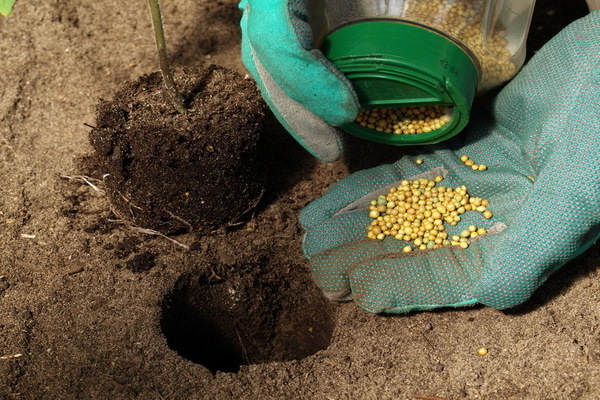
<point>420,62</point>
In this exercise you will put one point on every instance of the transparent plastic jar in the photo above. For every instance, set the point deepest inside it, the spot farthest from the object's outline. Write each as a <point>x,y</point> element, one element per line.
<point>420,62</point>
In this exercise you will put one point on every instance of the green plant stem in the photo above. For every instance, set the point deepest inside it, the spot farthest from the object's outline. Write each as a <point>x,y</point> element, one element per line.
<point>6,7</point>
<point>163,58</point>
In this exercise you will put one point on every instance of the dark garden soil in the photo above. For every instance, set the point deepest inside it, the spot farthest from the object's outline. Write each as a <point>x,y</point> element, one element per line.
<point>165,297</point>
<point>175,173</point>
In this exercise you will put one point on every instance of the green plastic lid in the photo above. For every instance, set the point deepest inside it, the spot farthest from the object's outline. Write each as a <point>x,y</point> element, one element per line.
<point>398,64</point>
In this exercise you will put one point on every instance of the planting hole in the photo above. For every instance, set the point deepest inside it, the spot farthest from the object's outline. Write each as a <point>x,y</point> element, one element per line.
<point>246,314</point>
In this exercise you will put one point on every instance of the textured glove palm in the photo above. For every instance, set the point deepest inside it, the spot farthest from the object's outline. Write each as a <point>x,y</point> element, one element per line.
<point>543,181</point>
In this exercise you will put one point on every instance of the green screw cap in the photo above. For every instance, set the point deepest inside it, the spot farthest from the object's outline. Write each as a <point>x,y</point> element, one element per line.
<point>397,64</point>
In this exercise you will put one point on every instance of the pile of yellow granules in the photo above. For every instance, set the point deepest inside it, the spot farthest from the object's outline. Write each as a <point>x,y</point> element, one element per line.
<point>416,211</point>
<point>466,22</point>
<point>404,120</point>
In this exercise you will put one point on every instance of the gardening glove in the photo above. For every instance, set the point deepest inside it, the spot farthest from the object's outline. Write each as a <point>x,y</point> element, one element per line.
<point>541,147</point>
<point>307,94</point>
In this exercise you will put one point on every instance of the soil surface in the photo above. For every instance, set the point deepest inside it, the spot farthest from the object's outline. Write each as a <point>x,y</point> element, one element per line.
<point>91,308</point>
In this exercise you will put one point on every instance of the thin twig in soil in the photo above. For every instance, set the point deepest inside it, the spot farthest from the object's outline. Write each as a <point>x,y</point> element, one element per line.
<point>10,357</point>
<point>130,204</point>
<point>147,231</point>
<point>85,179</point>
<point>244,352</point>
<point>6,144</point>
<point>183,221</point>
<point>88,180</point>
<point>157,233</point>
<point>428,341</point>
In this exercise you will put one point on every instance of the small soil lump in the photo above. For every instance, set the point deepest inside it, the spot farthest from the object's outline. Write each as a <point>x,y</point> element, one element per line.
<point>199,171</point>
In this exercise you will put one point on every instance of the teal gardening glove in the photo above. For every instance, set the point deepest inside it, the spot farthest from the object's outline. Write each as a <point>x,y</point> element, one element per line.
<point>542,149</point>
<point>304,90</point>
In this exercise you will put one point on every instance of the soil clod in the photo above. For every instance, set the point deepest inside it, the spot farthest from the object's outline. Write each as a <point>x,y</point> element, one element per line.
<point>196,172</point>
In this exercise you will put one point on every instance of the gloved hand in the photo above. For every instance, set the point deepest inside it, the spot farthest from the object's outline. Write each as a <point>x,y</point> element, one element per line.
<point>541,146</point>
<point>304,90</point>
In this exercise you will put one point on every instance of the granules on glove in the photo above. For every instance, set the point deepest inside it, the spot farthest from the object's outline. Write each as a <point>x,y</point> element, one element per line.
<point>416,210</point>
<point>470,163</point>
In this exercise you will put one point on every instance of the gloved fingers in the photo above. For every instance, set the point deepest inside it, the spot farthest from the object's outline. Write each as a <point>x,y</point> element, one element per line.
<point>322,140</point>
<point>557,219</point>
<point>380,277</point>
<point>556,222</point>
<point>556,132</point>
<point>313,133</point>
<point>281,37</point>
<point>330,269</point>
<point>547,103</point>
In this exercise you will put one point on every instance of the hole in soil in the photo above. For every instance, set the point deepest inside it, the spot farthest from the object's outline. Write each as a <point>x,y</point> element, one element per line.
<point>246,314</point>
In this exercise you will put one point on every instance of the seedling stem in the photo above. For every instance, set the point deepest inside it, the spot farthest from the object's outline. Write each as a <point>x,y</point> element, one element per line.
<point>163,57</point>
